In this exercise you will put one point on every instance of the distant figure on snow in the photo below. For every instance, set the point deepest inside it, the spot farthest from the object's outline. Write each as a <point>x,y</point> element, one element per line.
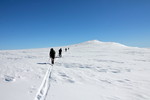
<point>65,49</point>
<point>60,52</point>
<point>52,55</point>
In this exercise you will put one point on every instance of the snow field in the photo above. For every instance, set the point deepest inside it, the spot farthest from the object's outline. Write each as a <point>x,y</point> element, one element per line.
<point>91,70</point>
<point>95,72</point>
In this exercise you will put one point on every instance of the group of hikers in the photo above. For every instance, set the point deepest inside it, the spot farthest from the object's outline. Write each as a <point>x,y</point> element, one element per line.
<point>52,54</point>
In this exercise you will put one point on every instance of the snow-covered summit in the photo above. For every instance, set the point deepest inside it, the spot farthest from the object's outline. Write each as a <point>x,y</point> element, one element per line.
<point>98,43</point>
<point>93,41</point>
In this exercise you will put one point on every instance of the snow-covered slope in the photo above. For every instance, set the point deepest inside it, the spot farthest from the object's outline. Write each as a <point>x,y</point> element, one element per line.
<point>92,70</point>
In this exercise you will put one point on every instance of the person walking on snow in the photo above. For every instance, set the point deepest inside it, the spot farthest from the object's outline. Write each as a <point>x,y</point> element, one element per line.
<point>60,52</point>
<point>52,55</point>
<point>65,49</point>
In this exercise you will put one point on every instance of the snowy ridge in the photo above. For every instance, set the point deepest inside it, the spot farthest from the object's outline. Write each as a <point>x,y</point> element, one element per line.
<point>99,43</point>
<point>94,41</point>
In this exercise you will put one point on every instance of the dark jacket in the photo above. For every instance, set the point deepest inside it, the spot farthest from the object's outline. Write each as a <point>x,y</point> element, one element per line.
<point>52,53</point>
<point>60,51</point>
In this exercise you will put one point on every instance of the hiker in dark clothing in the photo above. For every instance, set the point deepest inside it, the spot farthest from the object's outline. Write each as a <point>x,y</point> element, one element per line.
<point>60,52</point>
<point>65,49</point>
<point>52,55</point>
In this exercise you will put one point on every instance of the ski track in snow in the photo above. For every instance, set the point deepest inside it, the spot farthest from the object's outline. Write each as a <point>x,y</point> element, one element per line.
<point>88,71</point>
<point>44,88</point>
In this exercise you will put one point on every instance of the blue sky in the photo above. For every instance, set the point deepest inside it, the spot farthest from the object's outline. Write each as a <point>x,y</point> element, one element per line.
<point>47,23</point>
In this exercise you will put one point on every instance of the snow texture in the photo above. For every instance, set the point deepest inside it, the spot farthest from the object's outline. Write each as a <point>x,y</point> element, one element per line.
<point>92,70</point>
